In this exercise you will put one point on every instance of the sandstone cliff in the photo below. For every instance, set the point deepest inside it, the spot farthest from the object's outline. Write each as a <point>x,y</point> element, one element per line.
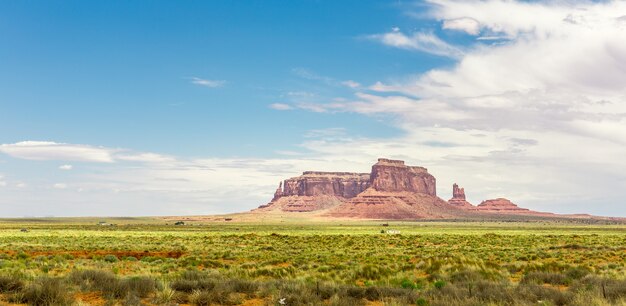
<point>397,191</point>
<point>315,190</point>
<point>394,176</point>
<point>340,184</point>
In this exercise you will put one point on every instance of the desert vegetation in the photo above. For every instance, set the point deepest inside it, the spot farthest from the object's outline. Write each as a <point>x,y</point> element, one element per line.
<point>426,263</point>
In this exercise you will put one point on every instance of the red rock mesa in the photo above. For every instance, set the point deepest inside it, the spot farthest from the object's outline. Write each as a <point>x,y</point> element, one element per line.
<point>392,190</point>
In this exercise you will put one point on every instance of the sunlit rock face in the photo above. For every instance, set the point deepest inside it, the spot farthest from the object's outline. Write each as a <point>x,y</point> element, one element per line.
<point>458,198</point>
<point>394,176</point>
<point>340,184</point>
<point>315,190</point>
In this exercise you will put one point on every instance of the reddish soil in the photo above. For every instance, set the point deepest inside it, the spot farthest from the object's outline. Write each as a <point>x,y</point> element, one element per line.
<point>91,298</point>
<point>90,254</point>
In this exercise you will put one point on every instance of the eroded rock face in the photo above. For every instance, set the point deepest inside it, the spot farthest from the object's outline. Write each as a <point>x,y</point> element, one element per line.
<point>458,198</point>
<point>394,176</point>
<point>457,192</point>
<point>500,205</point>
<point>278,193</point>
<point>313,183</point>
<point>315,190</point>
<point>396,191</point>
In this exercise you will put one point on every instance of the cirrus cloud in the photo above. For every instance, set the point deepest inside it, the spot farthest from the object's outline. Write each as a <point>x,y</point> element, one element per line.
<point>208,83</point>
<point>47,150</point>
<point>280,106</point>
<point>419,41</point>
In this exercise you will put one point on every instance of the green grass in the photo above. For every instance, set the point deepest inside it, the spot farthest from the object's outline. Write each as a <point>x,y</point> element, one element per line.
<point>429,262</point>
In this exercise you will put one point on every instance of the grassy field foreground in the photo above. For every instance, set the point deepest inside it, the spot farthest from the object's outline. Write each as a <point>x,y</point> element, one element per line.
<point>146,261</point>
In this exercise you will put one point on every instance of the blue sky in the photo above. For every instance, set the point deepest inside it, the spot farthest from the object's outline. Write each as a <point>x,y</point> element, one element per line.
<point>119,73</point>
<point>160,107</point>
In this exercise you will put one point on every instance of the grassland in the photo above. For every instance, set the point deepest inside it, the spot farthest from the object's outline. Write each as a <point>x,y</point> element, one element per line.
<point>151,261</point>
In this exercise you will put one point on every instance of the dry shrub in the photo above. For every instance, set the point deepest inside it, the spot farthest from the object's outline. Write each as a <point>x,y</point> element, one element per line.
<point>545,278</point>
<point>10,284</point>
<point>46,292</point>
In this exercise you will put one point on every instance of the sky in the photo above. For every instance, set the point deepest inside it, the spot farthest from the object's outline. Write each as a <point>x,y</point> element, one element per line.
<point>141,108</point>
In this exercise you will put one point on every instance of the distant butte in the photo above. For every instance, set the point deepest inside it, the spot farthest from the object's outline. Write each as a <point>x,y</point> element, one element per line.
<point>500,205</point>
<point>458,198</point>
<point>392,190</point>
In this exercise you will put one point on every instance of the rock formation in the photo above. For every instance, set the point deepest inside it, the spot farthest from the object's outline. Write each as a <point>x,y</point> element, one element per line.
<point>397,191</point>
<point>278,193</point>
<point>458,198</point>
<point>315,190</point>
<point>394,176</point>
<point>501,205</point>
<point>339,184</point>
<point>392,190</point>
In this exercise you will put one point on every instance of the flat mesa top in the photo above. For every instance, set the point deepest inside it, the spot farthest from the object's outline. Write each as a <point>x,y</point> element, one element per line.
<point>399,163</point>
<point>390,161</point>
<point>322,173</point>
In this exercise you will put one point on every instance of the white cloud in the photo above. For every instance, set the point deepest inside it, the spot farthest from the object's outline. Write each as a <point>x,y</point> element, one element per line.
<point>351,84</point>
<point>420,41</point>
<point>321,108</point>
<point>491,38</point>
<point>280,106</point>
<point>46,150</point>
<point>468,25</point>
<point>60,186</point>
<point>310,75</point>
<point>518,18</point>
<point>66,167</point>
<point>300,94</point>
<point>288,153</point>
<point>553,73</point>
<point>21,185</point>
<point>208,83</point>
<point>144,157</point>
